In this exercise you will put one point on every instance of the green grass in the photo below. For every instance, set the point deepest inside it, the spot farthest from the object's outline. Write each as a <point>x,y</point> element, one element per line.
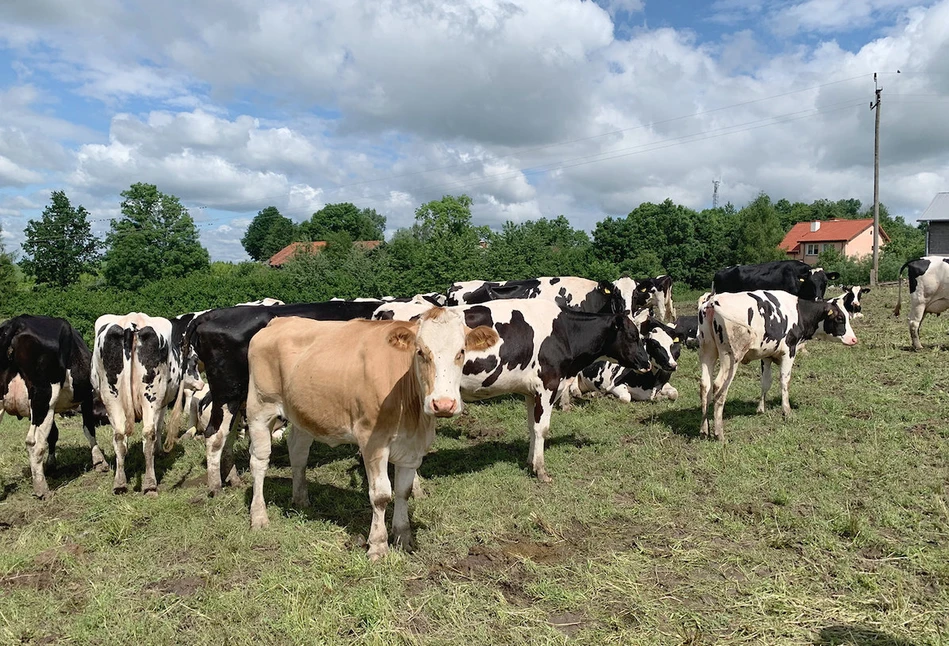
<point>828,528</point>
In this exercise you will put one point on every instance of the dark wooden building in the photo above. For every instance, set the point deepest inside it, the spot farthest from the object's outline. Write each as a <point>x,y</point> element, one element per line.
<point>937,235</point>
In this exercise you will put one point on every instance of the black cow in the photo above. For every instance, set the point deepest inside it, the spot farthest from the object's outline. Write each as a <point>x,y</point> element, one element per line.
<point>219,339</point>
<point>45,369</point>
<point>687,329</point>
<point>791,276</point>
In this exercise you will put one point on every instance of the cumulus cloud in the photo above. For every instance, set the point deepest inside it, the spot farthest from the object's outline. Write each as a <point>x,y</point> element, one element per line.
<point>532,107</point>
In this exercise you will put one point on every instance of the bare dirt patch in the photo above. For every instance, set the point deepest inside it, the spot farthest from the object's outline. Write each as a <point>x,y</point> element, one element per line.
<point>569,623</point>
<point>181,586</point>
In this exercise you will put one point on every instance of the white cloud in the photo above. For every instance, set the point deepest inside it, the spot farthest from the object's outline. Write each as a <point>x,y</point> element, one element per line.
<point>530,106</point>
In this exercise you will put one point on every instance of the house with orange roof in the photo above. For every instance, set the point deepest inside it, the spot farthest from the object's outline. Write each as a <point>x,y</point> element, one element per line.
<point>281,257</point>
<point>852,238</point>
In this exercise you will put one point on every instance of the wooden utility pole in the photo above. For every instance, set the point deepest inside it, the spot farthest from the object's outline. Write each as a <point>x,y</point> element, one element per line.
<point>876,183</point>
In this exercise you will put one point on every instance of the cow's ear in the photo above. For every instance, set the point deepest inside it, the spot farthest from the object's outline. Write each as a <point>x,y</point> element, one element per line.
<point>481,338</point>
<point>864,290</point>
<point>401,338</point>
<point>830,311</point>
<point>832,275</point>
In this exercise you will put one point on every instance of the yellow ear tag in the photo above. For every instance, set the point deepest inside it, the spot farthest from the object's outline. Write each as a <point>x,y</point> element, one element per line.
<point>606,291</point>
<point>830,312</point>
<point>801,280</point>
<point>675,340</point>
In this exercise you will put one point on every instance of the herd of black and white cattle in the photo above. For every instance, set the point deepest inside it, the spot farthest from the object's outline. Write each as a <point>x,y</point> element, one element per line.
<point>377,372</point>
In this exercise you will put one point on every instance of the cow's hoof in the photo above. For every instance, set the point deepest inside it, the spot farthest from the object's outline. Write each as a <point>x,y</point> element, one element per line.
<point>214,492</point>
<point>259,521</point>
<point>120,489</point>
<point>151,493</point>
<point>376,552</point>
<point>301,503</point>
<point>543,477</point>
<point>101,467</point>
<point>43,494</point>
<point>404,542</point>
<point>234,481</point>
<point>760,409</point>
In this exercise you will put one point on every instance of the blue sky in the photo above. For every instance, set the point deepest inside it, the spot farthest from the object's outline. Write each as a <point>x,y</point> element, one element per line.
<point>535,108</point>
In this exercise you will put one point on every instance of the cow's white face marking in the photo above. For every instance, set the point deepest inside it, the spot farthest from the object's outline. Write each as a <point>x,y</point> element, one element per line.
<point>440,353</point>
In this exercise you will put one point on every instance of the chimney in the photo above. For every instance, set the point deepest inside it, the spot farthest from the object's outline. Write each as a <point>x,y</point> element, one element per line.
<point>815,225</point>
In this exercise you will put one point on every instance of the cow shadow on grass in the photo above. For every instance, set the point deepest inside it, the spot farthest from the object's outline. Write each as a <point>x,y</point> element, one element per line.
<point>347,507</point>
<point>841,635</point>
<point>687,421</point>
<point>480,456</point>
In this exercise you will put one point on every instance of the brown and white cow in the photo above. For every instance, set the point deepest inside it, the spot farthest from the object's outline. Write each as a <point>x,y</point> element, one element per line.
<point>377,384</point>
<point>766,325</point>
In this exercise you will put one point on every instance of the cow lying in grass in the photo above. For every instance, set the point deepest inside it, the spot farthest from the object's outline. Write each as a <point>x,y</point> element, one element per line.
<point>765,325</point>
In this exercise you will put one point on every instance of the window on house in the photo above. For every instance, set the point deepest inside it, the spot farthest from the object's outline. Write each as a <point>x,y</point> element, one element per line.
<point>825,246</point>
<point>810,249</point>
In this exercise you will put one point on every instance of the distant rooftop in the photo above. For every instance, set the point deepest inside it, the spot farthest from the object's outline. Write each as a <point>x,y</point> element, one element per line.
<point>938,209</point>
<point>285,254</point>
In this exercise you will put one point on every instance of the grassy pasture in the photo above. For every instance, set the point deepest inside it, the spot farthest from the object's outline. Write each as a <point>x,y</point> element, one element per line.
<point>828,528</point>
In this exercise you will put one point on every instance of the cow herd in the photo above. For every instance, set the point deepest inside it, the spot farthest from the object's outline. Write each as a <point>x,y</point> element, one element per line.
<point>377,372</point>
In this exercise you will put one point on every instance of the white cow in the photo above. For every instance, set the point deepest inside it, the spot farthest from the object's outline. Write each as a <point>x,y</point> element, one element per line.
<point>928,291</point>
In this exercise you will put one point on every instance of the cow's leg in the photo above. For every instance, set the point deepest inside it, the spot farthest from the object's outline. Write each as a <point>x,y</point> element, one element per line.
<point>765,382</point>
<point>151,423</point>
<point>401,531</point>
<point>729,366</point>
<point>228,465</point>
<point>566,394</point>
<point>299,442</point>
<point>51,442</point>
<point>785,367</point>
<point>706,363</point>
<point>539,407</point>
<point>258,428</point>
<point>119,418</point>
<point>376,461</point>
<point>917,312</point>
<point>222,417</point>
<point>42,400</point>
<point>89,430</point>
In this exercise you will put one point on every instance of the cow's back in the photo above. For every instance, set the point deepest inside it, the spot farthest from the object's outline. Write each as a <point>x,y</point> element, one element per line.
<point>929,277</point>
<point>333,376</point>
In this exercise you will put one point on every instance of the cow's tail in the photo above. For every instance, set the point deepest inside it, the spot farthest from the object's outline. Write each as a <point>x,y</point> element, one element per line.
<point>899,289</point>
<point>126,400</point>
<point>174,421</point>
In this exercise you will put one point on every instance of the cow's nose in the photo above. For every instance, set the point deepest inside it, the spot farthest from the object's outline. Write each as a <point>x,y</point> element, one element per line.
<point>444,407</point>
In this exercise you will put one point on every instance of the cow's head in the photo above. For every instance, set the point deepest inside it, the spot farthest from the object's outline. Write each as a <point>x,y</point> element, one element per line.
<point>851,299</point>
<point>439,343</point>
<point>662,344</point>
<point>814,283</point>
<point>835,322</point>
<point>635,294</point>
<point>611,296</point>
<point>627,348</point>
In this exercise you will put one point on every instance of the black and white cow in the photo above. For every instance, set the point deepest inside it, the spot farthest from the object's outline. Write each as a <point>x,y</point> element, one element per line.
<point>791,276</point>
<point>765,325</point>
<point>687,329</point>
<point>850,300</point>
<point>137,366</point>
<point>654,293</point>
<point>541,347</point>
<point>44,369</point>
<point>569,292</point>
<point>219,339</point>
<point>928,292</point>
<point>610,378</point>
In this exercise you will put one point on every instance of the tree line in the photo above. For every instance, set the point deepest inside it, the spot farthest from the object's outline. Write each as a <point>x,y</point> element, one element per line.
<point>152,260</point>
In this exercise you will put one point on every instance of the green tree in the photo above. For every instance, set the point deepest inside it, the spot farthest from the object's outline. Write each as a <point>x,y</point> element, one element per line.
<point>155,238</point>
<point>759,232</point>
<point>268,233</point>
<point>344,217</point>
<point>538,248</point>
<point>8,278</point>
<point>60,245</point>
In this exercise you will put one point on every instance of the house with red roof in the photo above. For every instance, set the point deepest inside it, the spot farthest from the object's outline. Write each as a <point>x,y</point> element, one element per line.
<point>281,257</point>
<point>852,238</point>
